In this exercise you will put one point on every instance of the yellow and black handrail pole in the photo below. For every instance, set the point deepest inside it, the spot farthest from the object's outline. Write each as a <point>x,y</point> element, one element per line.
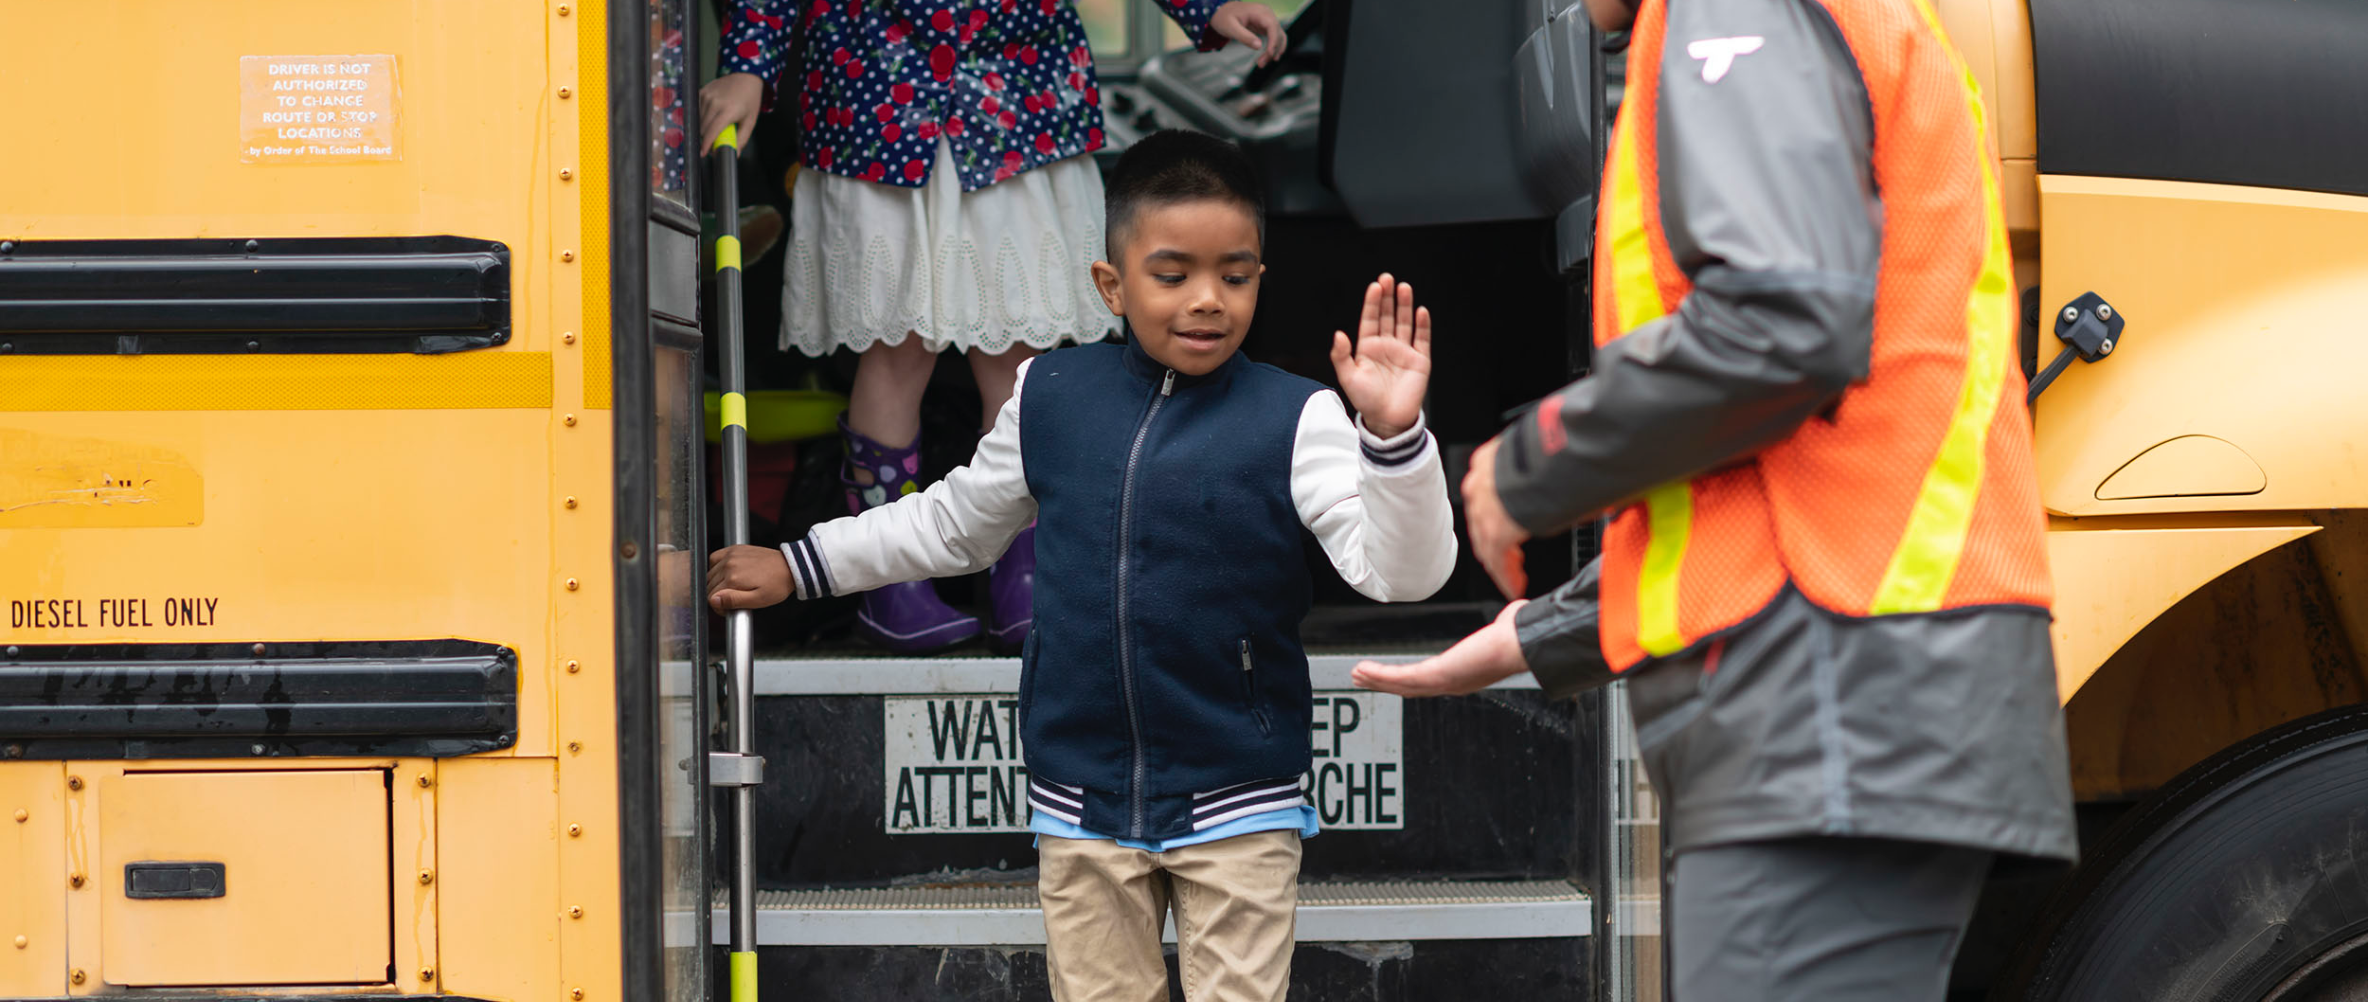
<point>739,646</point>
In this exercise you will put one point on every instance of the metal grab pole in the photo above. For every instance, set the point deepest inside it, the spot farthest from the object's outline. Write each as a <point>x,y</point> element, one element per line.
<point>744,770</point>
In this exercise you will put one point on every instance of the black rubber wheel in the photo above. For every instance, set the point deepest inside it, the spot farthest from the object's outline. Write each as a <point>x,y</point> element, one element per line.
<point>2243,880</point>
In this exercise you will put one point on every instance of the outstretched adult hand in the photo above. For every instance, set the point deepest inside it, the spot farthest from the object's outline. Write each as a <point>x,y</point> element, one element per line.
<point>1385,373</point>
<point>1490,655</point>
<point>1251,24</point>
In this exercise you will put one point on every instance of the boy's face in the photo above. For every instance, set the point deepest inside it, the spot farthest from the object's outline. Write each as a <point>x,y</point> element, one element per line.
<point>1186,280</point>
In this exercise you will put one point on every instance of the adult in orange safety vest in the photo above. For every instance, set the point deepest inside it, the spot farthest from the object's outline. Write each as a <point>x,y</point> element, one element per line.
<point>1824,574</point>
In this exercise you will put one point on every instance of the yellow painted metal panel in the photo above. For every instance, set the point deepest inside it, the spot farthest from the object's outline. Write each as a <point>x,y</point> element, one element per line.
<point>2187,465</point>
<point>411,826</point>
<point>2111,582</point>
<point>73,482</point>
<point>275,382</point>
<point>2243,318</point>
<point>305,877</point>
<point>499,907</point>
<point>592,210</point>
<point>32,879</point>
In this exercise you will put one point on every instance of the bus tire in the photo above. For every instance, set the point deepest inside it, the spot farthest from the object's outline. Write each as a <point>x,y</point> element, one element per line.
<point>2246,878</point>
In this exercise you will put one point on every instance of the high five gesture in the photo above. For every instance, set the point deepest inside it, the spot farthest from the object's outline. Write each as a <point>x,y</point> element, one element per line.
<point>1385,373</point>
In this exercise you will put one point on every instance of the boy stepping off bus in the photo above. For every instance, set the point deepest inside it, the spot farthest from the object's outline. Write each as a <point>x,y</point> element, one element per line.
<point>1164,692</point>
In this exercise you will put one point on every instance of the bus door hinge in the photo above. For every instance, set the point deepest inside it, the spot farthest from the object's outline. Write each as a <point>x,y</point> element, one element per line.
<point>731,769</point>
<point>2089,327</point>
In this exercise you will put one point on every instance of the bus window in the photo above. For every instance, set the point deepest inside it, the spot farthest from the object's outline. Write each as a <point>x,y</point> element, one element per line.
<point>680,613</point>
<point>669,136</point>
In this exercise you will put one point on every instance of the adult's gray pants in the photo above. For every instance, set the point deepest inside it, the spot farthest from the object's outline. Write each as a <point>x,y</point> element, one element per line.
<point>1826,919</point>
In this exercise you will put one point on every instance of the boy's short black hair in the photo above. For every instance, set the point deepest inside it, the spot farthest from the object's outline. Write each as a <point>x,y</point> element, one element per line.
<point>1177,165</point>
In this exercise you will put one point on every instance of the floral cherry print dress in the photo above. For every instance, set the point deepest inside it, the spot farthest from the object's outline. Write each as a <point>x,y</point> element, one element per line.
<point>947,192</point>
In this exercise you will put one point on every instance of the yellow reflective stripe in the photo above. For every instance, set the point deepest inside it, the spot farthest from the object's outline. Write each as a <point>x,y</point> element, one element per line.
<point>1925,562</point>
<point>744,977</point>
<point>730,137</point>
<point>464,380</point>
<point>1634,290</point>
<point>1636,294</point>
<point>1669,515</point>
<point>735,408</point>
<point>727,252</point>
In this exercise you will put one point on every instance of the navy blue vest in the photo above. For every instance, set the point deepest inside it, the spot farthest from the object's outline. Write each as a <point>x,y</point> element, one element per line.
<point>1170,584</point>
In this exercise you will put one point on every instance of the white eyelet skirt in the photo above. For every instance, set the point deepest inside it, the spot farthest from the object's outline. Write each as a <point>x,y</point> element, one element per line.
<point>1005,265</point>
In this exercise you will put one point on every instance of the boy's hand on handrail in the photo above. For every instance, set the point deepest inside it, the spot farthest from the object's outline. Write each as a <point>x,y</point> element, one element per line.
<point>747,577</point>
<point>1385,373</point>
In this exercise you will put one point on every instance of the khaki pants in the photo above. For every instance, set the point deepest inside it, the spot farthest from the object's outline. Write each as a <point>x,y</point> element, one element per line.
<point>1236,902</point>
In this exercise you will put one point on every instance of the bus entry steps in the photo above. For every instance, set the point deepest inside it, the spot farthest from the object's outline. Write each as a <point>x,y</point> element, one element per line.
<point>1007,914</point>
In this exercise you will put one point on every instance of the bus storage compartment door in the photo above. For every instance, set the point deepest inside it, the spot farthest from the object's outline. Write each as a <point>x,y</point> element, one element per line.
<point>1426,123</point>
<point>241,878</point>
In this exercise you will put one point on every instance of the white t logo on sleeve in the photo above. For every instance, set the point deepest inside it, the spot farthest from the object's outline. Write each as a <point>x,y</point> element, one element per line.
<point>1718,54</point>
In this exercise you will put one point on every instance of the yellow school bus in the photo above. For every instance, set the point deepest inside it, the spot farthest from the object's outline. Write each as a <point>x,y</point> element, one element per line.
<point>349,416</point>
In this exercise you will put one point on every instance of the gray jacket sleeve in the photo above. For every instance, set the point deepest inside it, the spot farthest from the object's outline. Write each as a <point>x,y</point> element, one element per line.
<point>1769,205</point>
<point>1559,637</point>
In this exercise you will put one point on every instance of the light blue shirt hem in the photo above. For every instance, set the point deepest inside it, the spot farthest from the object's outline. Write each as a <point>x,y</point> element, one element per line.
<point>1302,817</point>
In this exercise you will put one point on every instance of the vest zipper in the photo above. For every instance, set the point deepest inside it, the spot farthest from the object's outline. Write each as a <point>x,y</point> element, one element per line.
<point>1250,691</point>
<point>1126,648</point>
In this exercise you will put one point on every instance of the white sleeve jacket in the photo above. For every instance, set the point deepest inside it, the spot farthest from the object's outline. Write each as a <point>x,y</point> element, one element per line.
<point>1379,508</point>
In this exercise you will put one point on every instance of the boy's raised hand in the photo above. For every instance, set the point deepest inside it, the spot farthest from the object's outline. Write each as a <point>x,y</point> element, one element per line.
<point>1385,374</point>
<point>747,577</point>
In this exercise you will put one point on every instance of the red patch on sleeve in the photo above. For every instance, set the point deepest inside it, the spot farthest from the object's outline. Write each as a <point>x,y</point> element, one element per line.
<point>1550,435</point>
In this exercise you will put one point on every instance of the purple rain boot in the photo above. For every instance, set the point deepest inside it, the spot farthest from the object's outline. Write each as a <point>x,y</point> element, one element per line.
<point>1011,593</point>
<point>904,618</point>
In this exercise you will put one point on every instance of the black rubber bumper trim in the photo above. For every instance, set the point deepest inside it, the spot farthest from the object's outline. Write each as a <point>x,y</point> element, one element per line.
<point>431,698</point>
<point>311,295</point>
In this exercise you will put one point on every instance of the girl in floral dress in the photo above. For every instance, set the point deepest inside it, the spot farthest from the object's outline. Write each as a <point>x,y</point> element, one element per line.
<point>949,201</point>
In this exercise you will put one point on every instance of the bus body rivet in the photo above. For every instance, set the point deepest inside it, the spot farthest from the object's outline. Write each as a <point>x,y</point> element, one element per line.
<point>567,255</point>
<point>575,747</point>
<point>427,876</point>
<point>575,831</point>
<point>565,93</point>
<point>573,667</point>
<point>575,911</point>
<point>426,781</point>
<point>22,815</point>
<point>566,174</point>
<point>573,584</point>
<point>79,977</point>
<point>73,782</point>
<point>569,420</point>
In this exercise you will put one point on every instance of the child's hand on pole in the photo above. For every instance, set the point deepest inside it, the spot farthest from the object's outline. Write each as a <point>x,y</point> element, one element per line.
<point>732,99</point>
<point>747,577</point>
<point>1385,373</point>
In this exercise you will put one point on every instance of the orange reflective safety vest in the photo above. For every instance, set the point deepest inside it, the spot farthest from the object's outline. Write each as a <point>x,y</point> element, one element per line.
<point>1917,495</point>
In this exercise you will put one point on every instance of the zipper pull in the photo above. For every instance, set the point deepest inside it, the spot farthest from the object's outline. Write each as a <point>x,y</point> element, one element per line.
<point>1245,655</point>
<point>1167,383</point>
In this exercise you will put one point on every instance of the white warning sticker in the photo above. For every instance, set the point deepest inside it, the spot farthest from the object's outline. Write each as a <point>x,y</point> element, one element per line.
<point>953,764</point>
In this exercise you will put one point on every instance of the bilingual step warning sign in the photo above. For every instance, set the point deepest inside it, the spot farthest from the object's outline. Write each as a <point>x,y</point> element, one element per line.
<point>317,109</point>
<point>953,764</point>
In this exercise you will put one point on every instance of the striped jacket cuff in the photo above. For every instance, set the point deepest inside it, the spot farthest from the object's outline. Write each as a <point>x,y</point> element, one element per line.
<point>807,569</point>
<point>1400,450</point>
